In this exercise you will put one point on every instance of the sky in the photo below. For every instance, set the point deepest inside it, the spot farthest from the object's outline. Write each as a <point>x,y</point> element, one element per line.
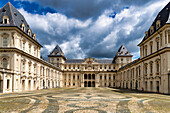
<point>89,28</point>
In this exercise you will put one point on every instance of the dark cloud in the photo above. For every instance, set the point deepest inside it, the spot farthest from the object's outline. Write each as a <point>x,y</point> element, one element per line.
<point>96,39</point>
<point>84,9</point>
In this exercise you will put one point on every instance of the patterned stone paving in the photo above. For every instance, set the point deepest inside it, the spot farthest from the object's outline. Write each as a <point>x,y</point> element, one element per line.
<point>84,100</point>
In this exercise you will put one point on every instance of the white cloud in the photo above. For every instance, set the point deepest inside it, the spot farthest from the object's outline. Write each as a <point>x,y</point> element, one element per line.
<point>124,28</point>
<point>54,23</point>
<point>70,47</point>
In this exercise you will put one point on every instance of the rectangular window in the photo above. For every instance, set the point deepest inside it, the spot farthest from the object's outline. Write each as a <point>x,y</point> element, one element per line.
<point>23,46</point>
<point>5,42</point>
<point>157,67</point>
<point>34,69</point>
<point>157,45</point>
<point>146,52</point>
<point>151,49</point>
<point>29,68</point>
<point>151,68</point>
<point>145,69</point>
<point>23,67</point>
<point>30,49</point>
<point>100,77</point>
<point>34,52</point>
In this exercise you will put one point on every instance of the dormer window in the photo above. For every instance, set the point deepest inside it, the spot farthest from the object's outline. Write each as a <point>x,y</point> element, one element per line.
<point>146,34</point>
<point>34,36</point>
<point>23,26</point>
<point>158,23</point>
<point>151,30</point>
<point>5,19</point>
<point>4,10</point>
<point>29,32</point>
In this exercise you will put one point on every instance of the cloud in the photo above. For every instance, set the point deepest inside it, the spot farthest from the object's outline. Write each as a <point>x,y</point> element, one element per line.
<point>98,35</point>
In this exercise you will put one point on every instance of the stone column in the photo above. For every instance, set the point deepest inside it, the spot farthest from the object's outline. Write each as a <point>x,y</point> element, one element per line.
<point>82,79</point>
<point>103,80</point>
<point>76,81</point>
<point>71,83</point>
<point>97,80</point>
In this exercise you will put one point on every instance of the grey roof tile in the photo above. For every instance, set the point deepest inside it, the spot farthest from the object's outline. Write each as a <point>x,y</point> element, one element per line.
<point>163,16</point>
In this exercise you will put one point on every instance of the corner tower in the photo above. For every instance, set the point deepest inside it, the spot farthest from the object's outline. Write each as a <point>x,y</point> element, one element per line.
<point>57,57</point>
<point>122,57</point>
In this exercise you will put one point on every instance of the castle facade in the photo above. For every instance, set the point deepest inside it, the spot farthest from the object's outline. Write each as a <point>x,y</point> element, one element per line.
<point>22,69</point>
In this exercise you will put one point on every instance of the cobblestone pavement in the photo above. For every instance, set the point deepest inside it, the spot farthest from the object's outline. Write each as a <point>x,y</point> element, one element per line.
<point>84,100</point>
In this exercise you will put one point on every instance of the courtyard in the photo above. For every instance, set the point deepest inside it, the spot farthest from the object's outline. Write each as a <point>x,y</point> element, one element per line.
<point>84,100</point>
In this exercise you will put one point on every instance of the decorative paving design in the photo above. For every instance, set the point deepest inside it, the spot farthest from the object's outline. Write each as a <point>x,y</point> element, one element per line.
<point>80,100</point>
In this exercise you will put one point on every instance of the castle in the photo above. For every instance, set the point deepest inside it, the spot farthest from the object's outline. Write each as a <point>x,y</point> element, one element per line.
<point>22,68</point>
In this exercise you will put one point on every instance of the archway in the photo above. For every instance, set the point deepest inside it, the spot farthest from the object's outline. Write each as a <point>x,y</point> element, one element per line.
<point>85,76</point>
<point>93,76</point>
<point>34,84</point>
<point>93,84</point>
<point>48,84</point>
<point>85,84</point>
<point>1,85</point>
<point>136,85</point>
<point>89,84</point>
<point>29,85</point>
<point>43,84</point>
<point>89,76</point>
<point>23,85</point>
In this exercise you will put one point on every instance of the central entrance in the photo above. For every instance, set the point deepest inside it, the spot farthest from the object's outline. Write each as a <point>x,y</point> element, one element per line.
<point>89,80</point>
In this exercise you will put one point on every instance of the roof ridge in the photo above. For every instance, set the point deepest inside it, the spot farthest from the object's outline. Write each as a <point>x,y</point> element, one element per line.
<point>11,13</point>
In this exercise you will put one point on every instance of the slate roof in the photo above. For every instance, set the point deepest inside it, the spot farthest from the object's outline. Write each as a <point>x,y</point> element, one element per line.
<point>79,61</point>
<point>129,64</point>
<point>15,18</point>
<point>105,61</point>
<point>122,51</point>
<point>57,52</point>
<point>163,16</point>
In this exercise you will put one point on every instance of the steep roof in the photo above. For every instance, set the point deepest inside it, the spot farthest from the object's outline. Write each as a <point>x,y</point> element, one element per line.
<point>122,51</point>
<point>163,16</point>
<point>57,52</point>
<point>16,19</point>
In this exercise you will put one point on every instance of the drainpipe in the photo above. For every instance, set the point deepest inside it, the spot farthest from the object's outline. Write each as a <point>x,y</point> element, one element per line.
<point>160,69</point>
<point>12,82</point>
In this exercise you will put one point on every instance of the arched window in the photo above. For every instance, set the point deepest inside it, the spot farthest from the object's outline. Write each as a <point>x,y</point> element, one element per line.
<point>5,42</point>
<point>5,63</point>
<point>5,19</point>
